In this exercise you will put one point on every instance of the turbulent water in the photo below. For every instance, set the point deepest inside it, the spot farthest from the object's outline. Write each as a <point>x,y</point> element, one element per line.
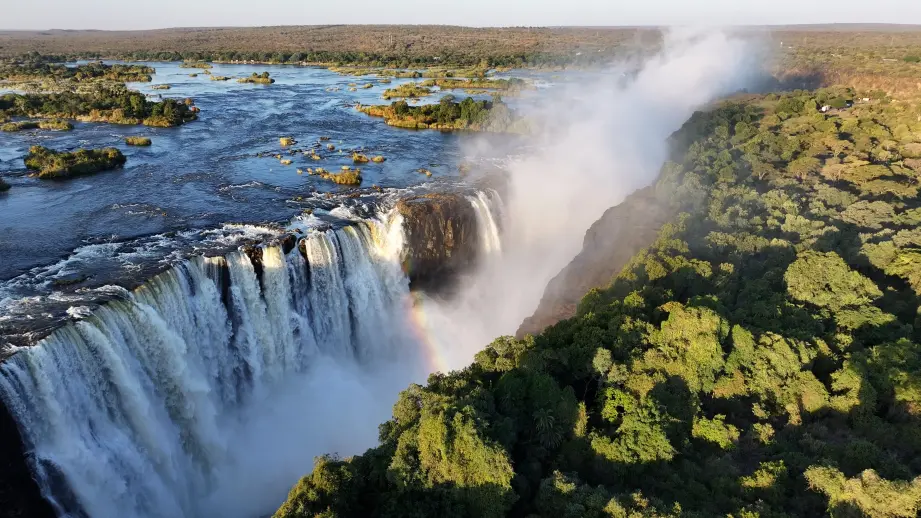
<point>207,391</point>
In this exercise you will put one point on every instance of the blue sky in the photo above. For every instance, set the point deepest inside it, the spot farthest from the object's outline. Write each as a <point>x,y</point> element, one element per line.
<point>122,14</point>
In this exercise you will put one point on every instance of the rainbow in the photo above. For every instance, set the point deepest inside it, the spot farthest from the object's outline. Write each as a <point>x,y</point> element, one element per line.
<point>423,328</point>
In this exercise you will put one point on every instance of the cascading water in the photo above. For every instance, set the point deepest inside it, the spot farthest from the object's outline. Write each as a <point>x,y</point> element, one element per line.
<point>208,391</point>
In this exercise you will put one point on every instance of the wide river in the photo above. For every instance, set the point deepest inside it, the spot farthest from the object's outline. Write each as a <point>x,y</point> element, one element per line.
<point>205,174</point>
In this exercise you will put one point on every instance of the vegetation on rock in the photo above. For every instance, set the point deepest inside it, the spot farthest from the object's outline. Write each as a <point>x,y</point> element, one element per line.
<point>109,103</point>
<point>41,68</point>
<point>449,114</point>
<point>263,79</point>
<point>52,164</point>
<point>138,141</point>
<point>476,84</point>
<point>347,176</point>
<point>759,358</point>
<point>406,91</point>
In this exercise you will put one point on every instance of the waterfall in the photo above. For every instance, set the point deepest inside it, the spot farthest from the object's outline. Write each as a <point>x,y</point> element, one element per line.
<point>487,206</point>
<point>168,403</point>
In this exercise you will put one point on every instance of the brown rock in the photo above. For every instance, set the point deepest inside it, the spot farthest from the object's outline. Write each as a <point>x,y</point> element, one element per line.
<point>441,238</point>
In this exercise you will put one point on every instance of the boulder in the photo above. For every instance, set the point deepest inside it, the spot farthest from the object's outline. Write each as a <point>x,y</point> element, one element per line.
<point>441,239</point>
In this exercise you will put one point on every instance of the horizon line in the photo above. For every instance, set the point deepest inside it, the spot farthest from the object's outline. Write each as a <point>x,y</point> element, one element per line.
<point>629,26</point>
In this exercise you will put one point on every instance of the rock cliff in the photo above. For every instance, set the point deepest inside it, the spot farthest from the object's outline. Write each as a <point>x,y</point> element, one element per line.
<point>621,232</point>
<point>442,238</point>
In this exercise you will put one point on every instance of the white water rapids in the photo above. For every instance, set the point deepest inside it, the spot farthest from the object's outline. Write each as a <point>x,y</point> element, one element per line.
<point>208,391</point>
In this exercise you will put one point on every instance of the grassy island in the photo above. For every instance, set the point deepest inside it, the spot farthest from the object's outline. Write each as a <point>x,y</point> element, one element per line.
<point>52,164</point>
<point>199,64</point>
<point>113,103</point>
<point>221,78</point>
<point>160,87</point>
<point>409,90</point>
<point>476,84</point>
<point>262,79</point>
<point>449,114</point>
<point>43,68</point>
<point>53,124</point>
<point>347,176</point>
<point>138,141</point>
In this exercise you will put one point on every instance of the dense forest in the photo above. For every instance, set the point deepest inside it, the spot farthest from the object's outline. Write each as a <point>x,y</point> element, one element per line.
<point>760,358</point>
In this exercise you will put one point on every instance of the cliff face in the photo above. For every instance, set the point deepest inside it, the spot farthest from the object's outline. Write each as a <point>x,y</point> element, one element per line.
<point>19,494</point>
<point>609,244</point>
<point>442,238</point>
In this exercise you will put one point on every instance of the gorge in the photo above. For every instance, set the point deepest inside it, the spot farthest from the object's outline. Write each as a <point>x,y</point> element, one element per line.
<point>209,389</point>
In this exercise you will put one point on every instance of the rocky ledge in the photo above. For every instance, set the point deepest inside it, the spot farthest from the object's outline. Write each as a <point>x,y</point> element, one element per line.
<point>442,239</point>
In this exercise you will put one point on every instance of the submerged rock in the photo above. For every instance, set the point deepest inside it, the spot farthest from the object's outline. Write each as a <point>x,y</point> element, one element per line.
<point>441,239</point>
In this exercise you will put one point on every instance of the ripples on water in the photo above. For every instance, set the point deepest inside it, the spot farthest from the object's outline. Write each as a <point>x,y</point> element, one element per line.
<point>178,196</point>
<point>207,173</point>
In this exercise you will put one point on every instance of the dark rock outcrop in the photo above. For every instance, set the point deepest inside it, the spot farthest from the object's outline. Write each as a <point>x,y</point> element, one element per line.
<point>19,493</point>
<point>441,239</point>
<point>609,244</point>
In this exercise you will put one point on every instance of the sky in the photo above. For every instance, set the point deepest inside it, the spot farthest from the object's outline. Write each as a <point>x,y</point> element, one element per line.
<point>121,14</point>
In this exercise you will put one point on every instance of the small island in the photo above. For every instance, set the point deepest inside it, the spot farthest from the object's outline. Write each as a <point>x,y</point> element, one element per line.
<point>51,164</point>
<point>196,64</point>
<point>262,79</point>
<point>138,141</point>
<point>347,176</point>
<point>449,115</point>
<point>53,125</point>
<point>513,84</point>
<point>407,91</point>
<point>110,103</point>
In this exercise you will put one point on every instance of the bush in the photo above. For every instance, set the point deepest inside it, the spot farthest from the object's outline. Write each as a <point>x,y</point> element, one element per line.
<point>55,164</point>
<point>4,186</point>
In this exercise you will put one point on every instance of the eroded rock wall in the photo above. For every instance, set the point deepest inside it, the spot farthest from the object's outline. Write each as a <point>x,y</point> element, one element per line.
<point>442,238</point>
<point>617,236</point>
